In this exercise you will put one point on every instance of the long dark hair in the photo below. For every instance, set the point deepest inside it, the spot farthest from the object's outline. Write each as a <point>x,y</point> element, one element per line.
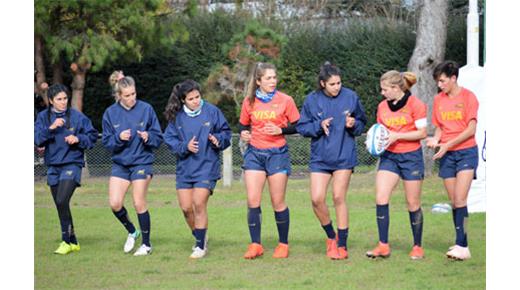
<point>177,98</point>
<point>52,92</point>
<point>327,70</point>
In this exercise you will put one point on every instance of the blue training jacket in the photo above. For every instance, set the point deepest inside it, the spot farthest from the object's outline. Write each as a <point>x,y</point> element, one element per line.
<point>205,164</point>
<point>57,151</point>
<point>141,117</point>
<point>338,150</point>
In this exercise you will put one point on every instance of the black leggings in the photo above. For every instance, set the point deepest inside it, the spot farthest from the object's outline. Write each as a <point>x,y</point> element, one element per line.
<point>61,194</point>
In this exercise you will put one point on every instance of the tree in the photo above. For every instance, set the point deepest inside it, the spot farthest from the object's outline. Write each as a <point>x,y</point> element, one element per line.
<point>92,34</point>
<point>430,46</point>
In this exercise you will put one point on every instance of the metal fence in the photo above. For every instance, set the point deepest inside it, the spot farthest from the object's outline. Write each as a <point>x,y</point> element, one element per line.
<point>99,164</point>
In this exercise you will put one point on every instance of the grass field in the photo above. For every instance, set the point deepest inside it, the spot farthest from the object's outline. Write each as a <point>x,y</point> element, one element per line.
<point>101,263</point>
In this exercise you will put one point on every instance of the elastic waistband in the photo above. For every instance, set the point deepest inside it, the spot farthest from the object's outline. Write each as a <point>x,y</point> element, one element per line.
<point>282,149</point>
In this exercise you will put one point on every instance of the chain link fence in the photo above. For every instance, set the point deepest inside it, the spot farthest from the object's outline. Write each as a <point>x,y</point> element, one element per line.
<point>99,164</point>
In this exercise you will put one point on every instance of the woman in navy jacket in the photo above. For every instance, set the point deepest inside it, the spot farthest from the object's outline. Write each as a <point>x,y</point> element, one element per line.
<point>130,132</point>
<point>65,133</point>
<point>197,131</point>
<point>332,116</point>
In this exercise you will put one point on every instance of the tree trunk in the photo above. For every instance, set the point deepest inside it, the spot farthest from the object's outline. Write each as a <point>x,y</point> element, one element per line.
<point>430,46</point>
<point>39,67</point>
<point>57,72</point>
<point>79,75</point>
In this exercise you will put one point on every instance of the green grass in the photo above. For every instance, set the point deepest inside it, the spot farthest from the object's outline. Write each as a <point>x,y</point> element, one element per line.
<point>101,263</point>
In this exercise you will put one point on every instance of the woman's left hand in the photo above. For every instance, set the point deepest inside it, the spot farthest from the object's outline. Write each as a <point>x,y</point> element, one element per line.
<point>349,121</point>
<point>213,140</point>
<point>143,135</point>
<point>272,129</point>
<point>71,139</point>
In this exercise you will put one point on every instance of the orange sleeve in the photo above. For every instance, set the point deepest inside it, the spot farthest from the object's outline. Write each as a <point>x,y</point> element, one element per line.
<point>472,107</point>
<point>419,110</point>
<point>291,111</point>
<point>378,113</point>
<point>245,116</point>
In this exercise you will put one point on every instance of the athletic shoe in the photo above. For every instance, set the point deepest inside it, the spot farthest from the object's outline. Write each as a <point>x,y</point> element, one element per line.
<point>281,251</point>
<point>459,253</point>
<point>332,248</point>
<point>63,249</point>
<point>417,253</point>
<point>198,253</point>
<point>382,250</point>
<point>75,247</point>
<point>342,254</point>
<point>130,241</point>
<point>254,250</point>
<point>143,250</point>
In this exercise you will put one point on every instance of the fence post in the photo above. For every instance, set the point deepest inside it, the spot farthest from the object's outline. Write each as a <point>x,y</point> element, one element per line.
<point>228,165</point>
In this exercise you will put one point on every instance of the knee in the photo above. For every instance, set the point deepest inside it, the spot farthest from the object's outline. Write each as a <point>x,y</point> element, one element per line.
<point>116,205</point>
<point>199,207</point>
<point>317,202</point>
<point>140,206</point>
<point>187,210</point>
<point>338,200</point>
<point>62,203</point>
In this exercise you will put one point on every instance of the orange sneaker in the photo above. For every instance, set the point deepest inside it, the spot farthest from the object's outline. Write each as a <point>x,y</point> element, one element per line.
<point>281,251</point>
<point>342,253</point>
<point>382,250</point>
<point>417,253</point>
<point>332,248</point>
<point>254,250</point>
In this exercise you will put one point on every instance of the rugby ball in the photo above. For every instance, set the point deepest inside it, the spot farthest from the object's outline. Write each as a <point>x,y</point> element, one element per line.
<point>441,208</point>
<point>377,139</point>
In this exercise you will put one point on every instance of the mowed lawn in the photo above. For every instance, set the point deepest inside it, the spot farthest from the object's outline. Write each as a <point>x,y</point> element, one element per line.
<point>101,263</point>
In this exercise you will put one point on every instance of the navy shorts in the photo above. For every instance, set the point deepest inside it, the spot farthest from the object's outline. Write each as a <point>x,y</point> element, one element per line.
<point>272,160</point>
<point>69,171</point>
<point>132,173</point>
<point>409,165</point>
<point>454,161</point>
<point>209,184</point>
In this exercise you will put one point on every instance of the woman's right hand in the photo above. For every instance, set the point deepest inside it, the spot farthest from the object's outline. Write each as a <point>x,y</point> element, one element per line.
<point>325,125</point>
<point>125,135</point>
<point>57,123</point>
<point>245,136</point>
<point>193,145</point>
<point>432,142</point>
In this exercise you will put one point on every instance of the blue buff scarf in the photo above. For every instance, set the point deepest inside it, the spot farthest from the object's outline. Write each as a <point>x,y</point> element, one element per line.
<point>265,98</point>
<point>195,112</point>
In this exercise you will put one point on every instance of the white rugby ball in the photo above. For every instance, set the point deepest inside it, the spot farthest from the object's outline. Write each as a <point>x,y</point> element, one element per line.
<point>377,139</point>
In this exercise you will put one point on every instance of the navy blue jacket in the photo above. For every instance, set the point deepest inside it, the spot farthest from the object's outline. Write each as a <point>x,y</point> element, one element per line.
<point>141,117</point>
<point>338,150</point>
<point>57,151</point>
<point>205,164</point>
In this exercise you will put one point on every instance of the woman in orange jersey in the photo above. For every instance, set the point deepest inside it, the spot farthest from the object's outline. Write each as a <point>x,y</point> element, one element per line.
<point>455,118</point>
<point>267,115</point>
<point>405,117</point>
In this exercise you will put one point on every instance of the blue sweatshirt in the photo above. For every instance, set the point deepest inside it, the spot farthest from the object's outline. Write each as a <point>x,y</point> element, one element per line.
<point>338,150</point>
<point>57,151</point>
<point>141,117</point>
<point>205,164</point>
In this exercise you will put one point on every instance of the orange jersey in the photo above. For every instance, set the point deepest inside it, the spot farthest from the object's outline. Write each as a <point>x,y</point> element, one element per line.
<point>403,120</point>
<point>279,111</point>
<point>452,115</point>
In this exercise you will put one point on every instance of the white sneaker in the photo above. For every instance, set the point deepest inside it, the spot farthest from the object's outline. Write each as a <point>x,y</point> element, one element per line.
<point>143,250</point>
<point>459,253</point>
<point>130,241</point>
<point>198,253</point>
